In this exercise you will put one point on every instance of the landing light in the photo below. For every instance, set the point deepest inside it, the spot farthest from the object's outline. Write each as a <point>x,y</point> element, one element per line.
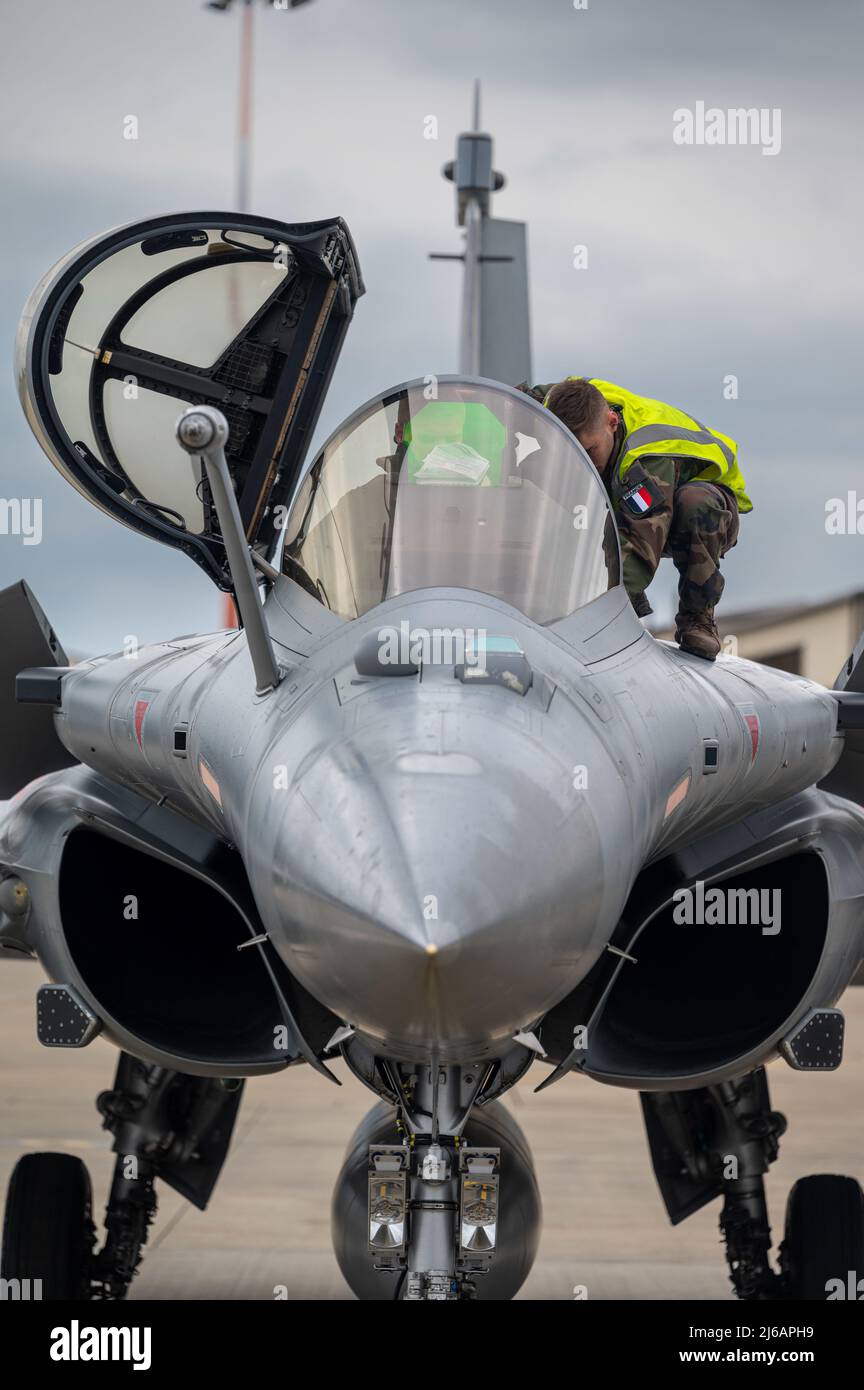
<point>388,1166</point>
<point>478,1204</point>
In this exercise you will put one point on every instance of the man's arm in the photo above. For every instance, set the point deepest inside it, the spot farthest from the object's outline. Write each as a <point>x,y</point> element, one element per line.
<point>645,498</point>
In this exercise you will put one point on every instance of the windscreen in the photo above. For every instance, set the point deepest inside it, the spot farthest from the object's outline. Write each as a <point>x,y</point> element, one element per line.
<point>478,488</point>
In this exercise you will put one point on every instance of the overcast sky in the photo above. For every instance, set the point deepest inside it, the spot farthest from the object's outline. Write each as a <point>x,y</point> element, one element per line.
<point>703,261</point>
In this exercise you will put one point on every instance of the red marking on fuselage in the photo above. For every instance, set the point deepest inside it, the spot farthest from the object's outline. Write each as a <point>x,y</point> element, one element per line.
<point>141,708</point>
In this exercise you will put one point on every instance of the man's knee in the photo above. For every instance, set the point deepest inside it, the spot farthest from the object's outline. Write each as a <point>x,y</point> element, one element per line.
<point>700,508</point>
<point>703,513</point>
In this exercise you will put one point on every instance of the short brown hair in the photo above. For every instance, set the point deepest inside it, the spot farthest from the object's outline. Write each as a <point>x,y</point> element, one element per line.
<point>577,403</point>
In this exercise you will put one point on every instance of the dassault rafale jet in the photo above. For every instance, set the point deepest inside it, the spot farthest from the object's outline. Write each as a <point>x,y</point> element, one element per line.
<point>440,807</point>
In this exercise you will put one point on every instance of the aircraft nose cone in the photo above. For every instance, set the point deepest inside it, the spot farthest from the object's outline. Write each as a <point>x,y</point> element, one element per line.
<point>436,887</point>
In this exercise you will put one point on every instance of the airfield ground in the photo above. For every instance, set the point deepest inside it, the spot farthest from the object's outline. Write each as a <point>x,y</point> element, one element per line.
<point>268,1223</point>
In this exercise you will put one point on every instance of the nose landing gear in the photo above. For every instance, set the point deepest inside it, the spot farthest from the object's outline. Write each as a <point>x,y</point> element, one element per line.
<point>442,1194</point>
<point>437,1200</point>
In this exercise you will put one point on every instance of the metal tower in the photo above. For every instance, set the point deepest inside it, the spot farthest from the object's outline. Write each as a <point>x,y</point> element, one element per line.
<point>495,339</point>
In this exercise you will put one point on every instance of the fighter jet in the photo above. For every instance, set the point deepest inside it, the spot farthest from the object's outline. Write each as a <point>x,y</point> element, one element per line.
<point>441,807</point>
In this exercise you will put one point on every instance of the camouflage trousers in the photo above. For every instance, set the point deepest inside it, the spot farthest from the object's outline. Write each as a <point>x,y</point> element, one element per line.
<point>704,526</point>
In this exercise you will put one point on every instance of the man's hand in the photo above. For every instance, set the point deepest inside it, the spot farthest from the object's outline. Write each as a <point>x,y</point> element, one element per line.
<point>537,393</point>
<point>641,606</point>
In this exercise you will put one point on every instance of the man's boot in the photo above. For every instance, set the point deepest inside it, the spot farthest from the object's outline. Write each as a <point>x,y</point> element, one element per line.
<point>641,606</point>
<point>697,634</point>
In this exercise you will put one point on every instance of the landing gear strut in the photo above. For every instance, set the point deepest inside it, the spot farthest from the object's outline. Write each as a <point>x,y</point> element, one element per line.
<point>746,1140</point>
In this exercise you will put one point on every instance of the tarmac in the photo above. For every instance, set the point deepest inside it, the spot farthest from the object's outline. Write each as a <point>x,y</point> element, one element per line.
<point>268,1225</point>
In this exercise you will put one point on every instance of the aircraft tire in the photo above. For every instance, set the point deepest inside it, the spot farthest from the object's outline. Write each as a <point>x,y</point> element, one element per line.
<point>48,1232</point>
<point>824,1235</point>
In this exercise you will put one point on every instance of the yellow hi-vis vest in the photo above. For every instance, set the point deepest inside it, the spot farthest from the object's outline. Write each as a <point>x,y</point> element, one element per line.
<point>654,428</point>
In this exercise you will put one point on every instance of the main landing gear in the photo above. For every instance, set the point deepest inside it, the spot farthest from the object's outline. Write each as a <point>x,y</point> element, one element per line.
<point>719,1141</point>
<point>166,1125</point>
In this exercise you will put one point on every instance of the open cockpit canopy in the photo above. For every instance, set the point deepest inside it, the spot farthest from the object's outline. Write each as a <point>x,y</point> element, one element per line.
<point>208,308</point>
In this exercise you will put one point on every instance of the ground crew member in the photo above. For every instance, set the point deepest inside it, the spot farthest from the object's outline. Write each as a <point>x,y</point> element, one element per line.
<point>675,487</point>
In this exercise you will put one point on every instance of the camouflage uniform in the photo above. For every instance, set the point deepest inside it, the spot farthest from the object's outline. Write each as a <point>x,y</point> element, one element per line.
<point>692,521</point>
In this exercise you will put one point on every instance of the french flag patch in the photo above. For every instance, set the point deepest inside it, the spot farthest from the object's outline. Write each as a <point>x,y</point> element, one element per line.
<point>639,499</point>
